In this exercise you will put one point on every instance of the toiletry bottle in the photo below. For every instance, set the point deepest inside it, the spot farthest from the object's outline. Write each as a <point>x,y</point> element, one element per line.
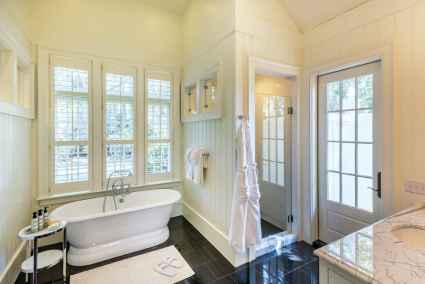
<point>40,220</point>
<point>34,223</point>
<point>46,217</point>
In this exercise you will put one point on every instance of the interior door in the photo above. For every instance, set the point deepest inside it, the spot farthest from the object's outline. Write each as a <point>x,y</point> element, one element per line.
<point>350,193</point>
<point>273,140</point>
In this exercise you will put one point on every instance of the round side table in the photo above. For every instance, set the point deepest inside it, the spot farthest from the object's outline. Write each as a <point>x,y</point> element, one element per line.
<point>45,259</point>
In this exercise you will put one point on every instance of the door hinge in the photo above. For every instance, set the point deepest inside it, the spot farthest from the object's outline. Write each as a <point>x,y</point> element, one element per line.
<point>290,110</point>
<point>291,218</point>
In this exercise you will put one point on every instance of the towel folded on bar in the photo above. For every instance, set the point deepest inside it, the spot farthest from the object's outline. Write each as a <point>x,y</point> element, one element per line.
<point>196,162</point>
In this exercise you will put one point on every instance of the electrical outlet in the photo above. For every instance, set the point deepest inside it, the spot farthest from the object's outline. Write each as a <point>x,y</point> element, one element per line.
<point>414,187</point>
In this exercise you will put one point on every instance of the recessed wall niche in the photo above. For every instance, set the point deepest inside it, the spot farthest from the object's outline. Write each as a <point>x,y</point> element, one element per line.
<point>203,99</point>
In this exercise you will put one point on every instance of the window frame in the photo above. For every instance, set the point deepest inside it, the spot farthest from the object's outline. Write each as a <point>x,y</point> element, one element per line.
<point>163,76</point>
<point>81,64</point>
<point>46,188</point>
<point>125,71</point>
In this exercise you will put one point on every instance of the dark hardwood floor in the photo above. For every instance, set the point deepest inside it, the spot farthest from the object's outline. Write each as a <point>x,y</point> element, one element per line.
<point>292,264</point>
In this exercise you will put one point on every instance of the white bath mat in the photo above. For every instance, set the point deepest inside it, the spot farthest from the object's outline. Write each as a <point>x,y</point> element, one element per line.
<point>136,270</point>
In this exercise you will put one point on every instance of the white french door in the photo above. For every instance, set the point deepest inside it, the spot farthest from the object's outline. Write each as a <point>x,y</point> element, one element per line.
<point>350,145</point>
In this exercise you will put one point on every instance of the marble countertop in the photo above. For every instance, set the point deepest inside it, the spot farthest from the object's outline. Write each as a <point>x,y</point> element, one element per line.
<point>375,255</point>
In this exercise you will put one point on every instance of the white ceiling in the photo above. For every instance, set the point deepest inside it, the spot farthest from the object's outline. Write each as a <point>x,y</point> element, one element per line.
<point>308,14</point>
<point>175,6</point>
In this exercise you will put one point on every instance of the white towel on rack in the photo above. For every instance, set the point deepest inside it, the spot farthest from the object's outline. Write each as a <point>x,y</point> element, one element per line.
<point>196,161</point>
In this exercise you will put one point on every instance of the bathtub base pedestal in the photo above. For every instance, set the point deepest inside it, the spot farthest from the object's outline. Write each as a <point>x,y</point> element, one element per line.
<point>102,252</point>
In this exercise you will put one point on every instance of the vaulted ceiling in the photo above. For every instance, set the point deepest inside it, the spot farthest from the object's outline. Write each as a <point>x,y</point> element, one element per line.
<point>308,14</point>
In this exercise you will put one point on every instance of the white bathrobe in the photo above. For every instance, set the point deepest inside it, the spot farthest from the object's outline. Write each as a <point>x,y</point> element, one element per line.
<point>245,224</point>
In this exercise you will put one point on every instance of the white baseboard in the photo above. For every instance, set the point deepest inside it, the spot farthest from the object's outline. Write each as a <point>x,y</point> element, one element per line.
<point>13,268</point>
<point>215,236</point>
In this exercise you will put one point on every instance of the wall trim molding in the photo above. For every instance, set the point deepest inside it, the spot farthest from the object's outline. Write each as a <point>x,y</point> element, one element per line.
<point>13,268</point>
<point>214,235</point>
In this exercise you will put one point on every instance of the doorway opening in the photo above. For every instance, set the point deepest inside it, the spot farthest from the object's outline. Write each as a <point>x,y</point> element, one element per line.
<point>273,150</point>
<point>272,98</point>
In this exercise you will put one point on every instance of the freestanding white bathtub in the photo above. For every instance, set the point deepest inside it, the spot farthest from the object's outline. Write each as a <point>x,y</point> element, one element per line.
<point>139,223</point>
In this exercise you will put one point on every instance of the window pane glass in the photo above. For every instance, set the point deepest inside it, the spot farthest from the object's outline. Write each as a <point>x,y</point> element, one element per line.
<point>71,80</point>
<point>349,93</point>
<point>273,170</point>
<point>119,120</point>
<point>280,174</point>
<point>119,107</point>
<point>154,121</point>
<point>348,126</point>
<point>273,152</point>
<point>266,128</point>
<point>365,91</point>
<point>280,151</point>
<point>159,158</point>
<point>119,85</point>
<point>365,194</point>
<point>364,159</point>
<point>159,89</point>
<point>280,128</point>
<point>348,158</point>
<point>333,187</point>
<point>265,149</point>
<point>349,190</point>
<point>71,118</point>
<point>333,96</point>
<point>272,122</point>
<point>266,177</point>
<point>71,163</point>
<point>120,157</point>
<point>333,126</point>
<point>333,156</point>
<point>165,121</point>
<point>365,126</point>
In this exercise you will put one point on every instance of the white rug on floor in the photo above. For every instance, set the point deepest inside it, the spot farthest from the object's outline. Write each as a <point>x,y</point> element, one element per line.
<point>135,270</point>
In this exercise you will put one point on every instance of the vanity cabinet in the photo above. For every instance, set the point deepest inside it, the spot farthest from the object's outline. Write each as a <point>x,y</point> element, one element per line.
<point>331,274</point>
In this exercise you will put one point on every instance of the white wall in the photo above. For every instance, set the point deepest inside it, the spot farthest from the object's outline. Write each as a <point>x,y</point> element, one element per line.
<point>208,39</point>
<point>127,29</point>
<point>15,185</point>
<point>15,155</point>
<point>400,26</point>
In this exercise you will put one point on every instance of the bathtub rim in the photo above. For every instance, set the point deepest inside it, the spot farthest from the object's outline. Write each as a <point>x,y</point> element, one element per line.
<point>177,198</point>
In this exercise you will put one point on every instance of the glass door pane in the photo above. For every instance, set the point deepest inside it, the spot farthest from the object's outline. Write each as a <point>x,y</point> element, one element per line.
<point>349,127</point>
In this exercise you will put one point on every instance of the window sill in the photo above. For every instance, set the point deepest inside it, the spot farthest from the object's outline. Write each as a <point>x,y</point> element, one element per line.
<point>56,199</point>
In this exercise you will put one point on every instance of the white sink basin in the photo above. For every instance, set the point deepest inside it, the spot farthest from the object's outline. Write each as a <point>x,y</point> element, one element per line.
<point>414,237</point>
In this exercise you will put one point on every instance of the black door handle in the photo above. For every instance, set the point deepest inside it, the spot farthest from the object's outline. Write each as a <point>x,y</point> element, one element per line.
<point>378,190</point>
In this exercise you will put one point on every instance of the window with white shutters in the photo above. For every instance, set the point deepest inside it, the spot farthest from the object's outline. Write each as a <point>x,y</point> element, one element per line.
<point>158,125</point>
<point>104,119</point>
<point>71,135</point>
<point>119,124</point>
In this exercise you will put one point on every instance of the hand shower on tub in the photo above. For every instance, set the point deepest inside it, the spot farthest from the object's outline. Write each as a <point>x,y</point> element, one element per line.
<point>118,187</point>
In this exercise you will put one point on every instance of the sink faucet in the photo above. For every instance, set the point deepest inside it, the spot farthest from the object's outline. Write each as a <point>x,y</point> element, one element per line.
<point>118,187</point>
